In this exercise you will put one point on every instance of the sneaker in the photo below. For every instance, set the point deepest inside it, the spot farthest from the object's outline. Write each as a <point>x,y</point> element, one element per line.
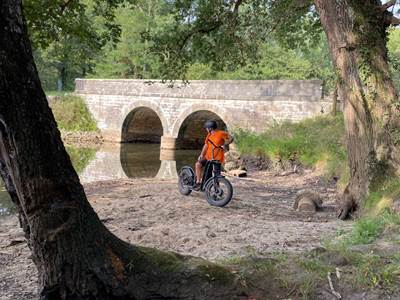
<point>197,186</point>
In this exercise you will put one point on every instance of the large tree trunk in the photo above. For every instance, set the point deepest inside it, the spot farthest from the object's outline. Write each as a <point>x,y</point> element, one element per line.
<point>76,256</point>
<point>356,32</point>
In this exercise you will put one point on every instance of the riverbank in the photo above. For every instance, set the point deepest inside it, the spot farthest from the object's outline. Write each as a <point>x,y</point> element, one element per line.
<point>258,234</point>
<point>152,213</point>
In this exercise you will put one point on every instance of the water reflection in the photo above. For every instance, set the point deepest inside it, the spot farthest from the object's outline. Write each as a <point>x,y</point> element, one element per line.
<point>6,205</point>
<point>116,161</point>
<point>140,160</point>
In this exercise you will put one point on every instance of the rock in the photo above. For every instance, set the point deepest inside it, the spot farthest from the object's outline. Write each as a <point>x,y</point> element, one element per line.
<point>211,234</point>
<point>82,138</point>
<point>257,162</point>
<point>308,201</point>
<point>234,161</point>
<point>231,165</point>
<point>396,206</point>
<point>238,173</point>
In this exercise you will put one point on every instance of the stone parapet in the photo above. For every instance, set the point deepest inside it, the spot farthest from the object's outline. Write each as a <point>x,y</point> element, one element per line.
<point>260,90</point>
<point>156,111</point>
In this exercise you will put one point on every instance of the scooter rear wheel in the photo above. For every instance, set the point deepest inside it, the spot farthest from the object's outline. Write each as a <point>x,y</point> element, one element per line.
<point>218,191</point>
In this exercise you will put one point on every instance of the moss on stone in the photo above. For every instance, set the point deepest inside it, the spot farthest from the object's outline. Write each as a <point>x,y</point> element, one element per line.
<point>144,258</point>
<point>216,273</point>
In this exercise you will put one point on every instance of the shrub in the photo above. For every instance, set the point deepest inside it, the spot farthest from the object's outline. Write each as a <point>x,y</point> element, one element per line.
<point>312,142</point>
<point>72,114</point>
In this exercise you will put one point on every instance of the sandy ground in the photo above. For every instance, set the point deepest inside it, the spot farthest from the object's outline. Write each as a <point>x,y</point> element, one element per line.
<point>153,213</point>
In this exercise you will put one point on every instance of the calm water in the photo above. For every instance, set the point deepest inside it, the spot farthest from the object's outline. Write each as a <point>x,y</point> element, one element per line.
<point>119,161</point>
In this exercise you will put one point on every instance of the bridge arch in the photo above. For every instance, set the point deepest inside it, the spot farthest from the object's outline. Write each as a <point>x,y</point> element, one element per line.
<point>190,133</point>
<point>143,122</point>
<point>218,111</point>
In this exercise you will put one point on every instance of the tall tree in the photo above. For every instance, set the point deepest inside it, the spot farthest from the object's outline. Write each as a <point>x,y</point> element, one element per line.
<point>75,254</point>
<point>67,36</point>
<point>130,57</point>
<point>228,32</point>
<point>357,35</point>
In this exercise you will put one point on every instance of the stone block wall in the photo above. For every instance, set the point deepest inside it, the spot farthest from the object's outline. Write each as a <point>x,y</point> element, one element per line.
<point>246,104</point>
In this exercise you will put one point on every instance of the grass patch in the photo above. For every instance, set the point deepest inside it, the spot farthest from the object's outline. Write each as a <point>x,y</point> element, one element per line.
<point>56,93</point>
<point>368,229</point>
<point>370,266</point>
<point>72,114</point>
<point>369,270</point>
<point>315,142</point>
<point>382,195</point>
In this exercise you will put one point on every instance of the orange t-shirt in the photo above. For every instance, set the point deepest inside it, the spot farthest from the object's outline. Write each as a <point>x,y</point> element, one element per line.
<point>218,138</point>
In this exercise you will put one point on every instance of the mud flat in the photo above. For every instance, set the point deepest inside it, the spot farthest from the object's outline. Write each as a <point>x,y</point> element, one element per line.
<point>152,213</point>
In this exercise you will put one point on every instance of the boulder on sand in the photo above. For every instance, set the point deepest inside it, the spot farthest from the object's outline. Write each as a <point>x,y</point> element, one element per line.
<point>238,173</point>
<point>233,161</point>
<point>308,201</point>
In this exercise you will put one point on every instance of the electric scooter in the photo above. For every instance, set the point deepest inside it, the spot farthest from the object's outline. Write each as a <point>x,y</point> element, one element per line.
<point>217,188</point>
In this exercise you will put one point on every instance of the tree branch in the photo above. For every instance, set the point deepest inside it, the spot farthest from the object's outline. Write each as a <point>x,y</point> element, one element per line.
<point>199,30</point>
<point>388,5</point>
<point>389,19</point>
<point>65,5</point>
<point>236,8</point>
<point>394,21</point>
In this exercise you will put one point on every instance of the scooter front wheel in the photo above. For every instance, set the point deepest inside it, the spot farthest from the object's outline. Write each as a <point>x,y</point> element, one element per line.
<point>185,181</point>
<point>218,191</point>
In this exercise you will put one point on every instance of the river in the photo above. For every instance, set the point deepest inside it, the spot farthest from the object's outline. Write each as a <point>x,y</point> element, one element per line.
<point>118,161</point>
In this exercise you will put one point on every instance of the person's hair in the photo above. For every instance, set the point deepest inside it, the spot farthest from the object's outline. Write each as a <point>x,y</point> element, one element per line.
<point>210,124</point>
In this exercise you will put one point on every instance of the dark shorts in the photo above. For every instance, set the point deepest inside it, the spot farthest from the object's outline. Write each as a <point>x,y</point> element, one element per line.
<point>203,162</point>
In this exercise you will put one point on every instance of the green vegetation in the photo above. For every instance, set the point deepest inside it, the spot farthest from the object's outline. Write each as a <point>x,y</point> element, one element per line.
<point>368,254</point>
<point>383,194</point>
<point>370,260</point>
<point>130,39</point>
<point>368,228</point>
<point>72,114</point>
<point>80,157</point>
<point>394,55</point>
<point>315,142</point>
<point>366,257</point>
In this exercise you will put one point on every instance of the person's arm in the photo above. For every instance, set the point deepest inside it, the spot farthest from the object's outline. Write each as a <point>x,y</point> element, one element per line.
<point>203,152</point>
<point>228,140</point>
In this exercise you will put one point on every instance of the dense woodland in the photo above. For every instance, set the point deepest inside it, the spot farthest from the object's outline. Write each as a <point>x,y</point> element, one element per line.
<point>129,52</point>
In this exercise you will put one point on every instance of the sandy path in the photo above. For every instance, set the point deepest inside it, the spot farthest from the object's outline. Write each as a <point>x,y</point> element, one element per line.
<point>153,213</point>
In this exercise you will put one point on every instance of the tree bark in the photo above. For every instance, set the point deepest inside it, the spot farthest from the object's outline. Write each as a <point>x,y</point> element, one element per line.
<point>334,100</point>
<point>356,33</point>
<point>75,254</point>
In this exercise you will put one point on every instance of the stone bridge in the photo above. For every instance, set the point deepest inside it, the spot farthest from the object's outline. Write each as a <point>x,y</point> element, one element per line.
<point>151,111</point>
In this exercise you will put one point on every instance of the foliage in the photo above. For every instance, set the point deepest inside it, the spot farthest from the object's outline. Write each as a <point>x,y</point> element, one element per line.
<point>6,205</point>
<point>131,57</point>
<point>368,229</point>
<point>66,35</point>
<point>134,50</point>
<point>361,247</point>
<point>48,20</point>
<point>316,141</point>
<point>72,114</point>
<point>382,195</point>
<point>80,157</point>
<point>275,62</point>
<point>228,34</point>
<point>394,55</point>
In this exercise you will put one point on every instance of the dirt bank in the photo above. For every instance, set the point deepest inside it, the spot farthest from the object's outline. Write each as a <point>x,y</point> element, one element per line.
<point>152,213</point>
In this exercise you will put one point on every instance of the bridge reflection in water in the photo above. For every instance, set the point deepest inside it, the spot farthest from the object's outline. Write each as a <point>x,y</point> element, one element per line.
<point>119,161</point>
